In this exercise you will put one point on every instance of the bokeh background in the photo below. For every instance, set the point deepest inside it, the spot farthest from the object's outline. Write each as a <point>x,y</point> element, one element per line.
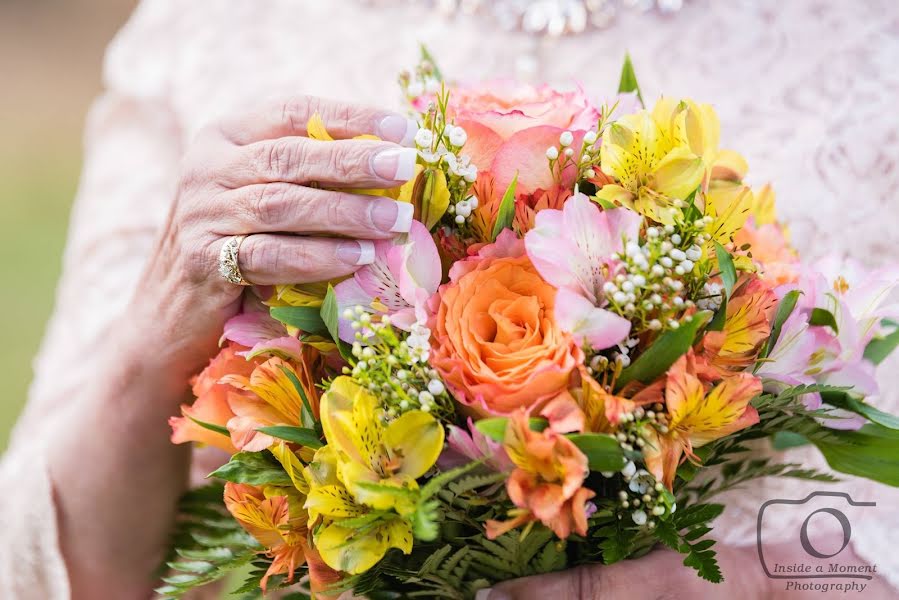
<point>50,70</point>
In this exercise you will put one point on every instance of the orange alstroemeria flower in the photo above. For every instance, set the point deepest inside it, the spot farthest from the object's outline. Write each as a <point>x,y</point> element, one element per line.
<point>273,400</point>
<point>547,484</point>
<point>276,520</point>
<point>698,415</point>
<point>747,325</point>
<point>603,409</point>
<point>212,403</point>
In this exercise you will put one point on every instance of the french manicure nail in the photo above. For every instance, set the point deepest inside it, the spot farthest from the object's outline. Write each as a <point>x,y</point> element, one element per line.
<point>356,253</point>
<point>395,217</point>
<point>396,164</point>
<point>399,129</point>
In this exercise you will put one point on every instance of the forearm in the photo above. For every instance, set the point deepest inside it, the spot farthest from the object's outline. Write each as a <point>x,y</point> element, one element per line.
<point>113,469</point>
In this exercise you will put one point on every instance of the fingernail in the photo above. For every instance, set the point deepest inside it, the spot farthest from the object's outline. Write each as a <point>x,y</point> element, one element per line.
<point>357,253</point>
<point>396,164</point>
<point>399,129</point>
<point>395,217</point>
<point>491,594</point>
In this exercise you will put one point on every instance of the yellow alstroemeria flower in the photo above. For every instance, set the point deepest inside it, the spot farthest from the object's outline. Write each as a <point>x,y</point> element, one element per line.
<point>698,416</point>
<point>350,549</point>
<point>728,204</point>
<point>369,451</point>
<point>652,167</point>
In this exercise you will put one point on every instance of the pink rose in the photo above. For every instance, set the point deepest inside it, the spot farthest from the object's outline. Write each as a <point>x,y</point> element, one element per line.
<point>510,125</point>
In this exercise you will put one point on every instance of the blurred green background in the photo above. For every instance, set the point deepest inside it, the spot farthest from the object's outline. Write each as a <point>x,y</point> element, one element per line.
<point>50,63</point>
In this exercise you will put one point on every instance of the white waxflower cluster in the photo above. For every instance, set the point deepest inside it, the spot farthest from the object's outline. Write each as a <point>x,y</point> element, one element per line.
<point>566,139</point>
<point>564,154</point>
<point>445,150</point>
<point>408,382</point>
<point>463,209</point>
<point>648,287</point>
<point>644,498</point>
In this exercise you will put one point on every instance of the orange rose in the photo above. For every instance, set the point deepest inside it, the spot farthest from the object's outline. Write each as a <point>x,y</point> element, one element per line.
<point>495,342</point>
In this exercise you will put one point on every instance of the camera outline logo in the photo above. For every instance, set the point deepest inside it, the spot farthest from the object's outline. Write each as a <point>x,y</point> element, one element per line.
<point>804,540</point>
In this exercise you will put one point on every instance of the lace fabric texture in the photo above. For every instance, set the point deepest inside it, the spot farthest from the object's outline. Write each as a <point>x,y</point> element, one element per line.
<point>805,90</point>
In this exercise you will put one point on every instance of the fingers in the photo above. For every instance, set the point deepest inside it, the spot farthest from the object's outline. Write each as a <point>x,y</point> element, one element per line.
<point>289,117</point>
<point>347,163</point>
<point>289,208</point>
<point>266,259</point>
<point>660,574</point>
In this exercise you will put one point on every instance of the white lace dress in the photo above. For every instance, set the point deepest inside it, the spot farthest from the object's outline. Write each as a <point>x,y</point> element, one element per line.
<point>806,90</point>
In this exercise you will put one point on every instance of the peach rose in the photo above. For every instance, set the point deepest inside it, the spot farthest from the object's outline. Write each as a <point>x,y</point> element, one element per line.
<point>510,125</point>
<point>495,342</point>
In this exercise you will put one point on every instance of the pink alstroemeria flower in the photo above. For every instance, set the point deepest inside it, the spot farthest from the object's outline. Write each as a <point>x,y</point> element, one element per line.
<point>463,447</point>
<point>254,328</point>
<point>859,300</point>
<point>405,273</point>
<point>569,248</point>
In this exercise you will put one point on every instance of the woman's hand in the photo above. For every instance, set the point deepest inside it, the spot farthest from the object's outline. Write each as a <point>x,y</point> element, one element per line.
<point>116,476</point>
<point>661,575</point>
<point>258,175</point>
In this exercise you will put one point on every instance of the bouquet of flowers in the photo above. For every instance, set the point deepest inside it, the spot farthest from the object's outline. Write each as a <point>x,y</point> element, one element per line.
<point>561,363</point>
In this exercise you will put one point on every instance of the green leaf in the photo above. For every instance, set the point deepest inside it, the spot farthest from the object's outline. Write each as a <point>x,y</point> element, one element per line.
<point>727,268</point>
<point>298,435</point>
<point>506,213</point>
<point>211,426</point>
<point>628,82</point>
<point>783,440</point>
<point>307,416</point>
<point>871,452</point>
<point>255,468</point>
<point>426,56</point>
<point>305,318</point>
<point>328,313</point>
<point>602,451</point>
<point>663,353</point>
<point>720,318</point>
<point>823,318</point>
<point>495,427</point>
<point>879,349</point>
<point>784,310</point>
<point>847,402</point>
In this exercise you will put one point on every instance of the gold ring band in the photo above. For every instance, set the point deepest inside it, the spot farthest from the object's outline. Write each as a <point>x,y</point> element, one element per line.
<point>229,267</point>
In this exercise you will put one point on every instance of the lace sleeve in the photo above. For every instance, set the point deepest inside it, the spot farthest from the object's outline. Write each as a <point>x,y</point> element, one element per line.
<point>127,184</point>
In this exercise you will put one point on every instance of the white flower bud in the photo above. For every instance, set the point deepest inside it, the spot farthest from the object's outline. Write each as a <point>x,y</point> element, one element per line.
<point>459,219</point>
<point>567,138</point>
<point>552,153</point>
<point>569,151</point>
<point>436,387</point>
<point>424,138</point>
<point>639,517</point>
<point>590,137</point>
<point>619,297</point>
<point>458,137</point>
<point>677,254</point>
